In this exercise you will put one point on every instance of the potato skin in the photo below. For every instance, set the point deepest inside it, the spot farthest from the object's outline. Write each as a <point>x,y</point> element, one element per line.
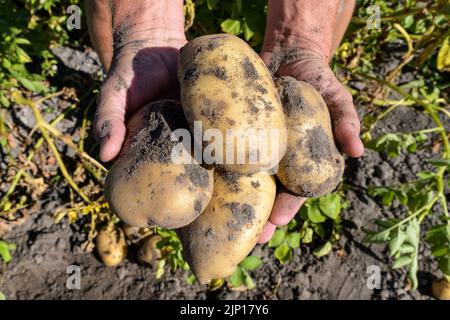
<point>225,233</point>
<point>144,187</point>
<point>225,85</point>
<point>111,245</point>
<point>441,289</point>
<point>312,165</point>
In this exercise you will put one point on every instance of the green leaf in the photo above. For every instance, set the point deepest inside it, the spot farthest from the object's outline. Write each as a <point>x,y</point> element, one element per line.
<point>277,238</point>
<point>406,248</point>
<point>249,283</point>
<point>307,236</point>
<point>231,26</point>
<point>444,265</point>
<point>439,251</point>
<point>330,205</point>
<point>250,263</point>
<point>211,4</point>
<point>237,278</point>
<point>315,215</point>
<point>248,32</point>
<point>412,233</point>
<point>2,296</point>
<point>443,57</point>
<point>425,175</point>
<point>439,162</point>
<point>396,241</point>
<point>191,279</point>
<point>283,253</point>
<point>323,250</point>
<point>293,240</point>
<point>34,86</point>
<point>376,236</point>
<point>5,250</point>
<point>402,261</point>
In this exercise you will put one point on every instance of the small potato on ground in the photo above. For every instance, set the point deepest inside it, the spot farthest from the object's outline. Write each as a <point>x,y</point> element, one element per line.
<point>111,245</point>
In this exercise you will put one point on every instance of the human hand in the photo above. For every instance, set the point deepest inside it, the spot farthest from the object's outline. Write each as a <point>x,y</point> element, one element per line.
<point>301,48</point>
<point>147,38</point>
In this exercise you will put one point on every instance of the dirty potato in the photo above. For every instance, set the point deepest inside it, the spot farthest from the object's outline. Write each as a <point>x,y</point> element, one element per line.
<point>149,253</point>
<point>225,233</point>
<point>111,245</point>
<point>312,165</point>
<point>227,87</point>
<point>441,289</point>
<point>145,186</point>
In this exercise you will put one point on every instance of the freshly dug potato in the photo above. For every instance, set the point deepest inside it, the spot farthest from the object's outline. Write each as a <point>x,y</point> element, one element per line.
<point>135,234</point>
<point>225,233</point>
<point>441,289</point>
<point>312,165</point>
<point>145,187</point>
<point>111,245</point>
<point>225,85</point>
<point>148,252</point>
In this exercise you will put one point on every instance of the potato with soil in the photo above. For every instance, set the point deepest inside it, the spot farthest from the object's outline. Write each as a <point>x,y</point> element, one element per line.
<point>441,289</point>
<point>149,253</point>
<point>145,186</point>
<point>312,165</point>
<point>225,85</point>
<point>111,245</point>
<point>225,233</point>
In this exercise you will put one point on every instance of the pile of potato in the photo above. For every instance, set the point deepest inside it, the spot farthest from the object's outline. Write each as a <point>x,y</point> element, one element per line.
<point>219,210</point>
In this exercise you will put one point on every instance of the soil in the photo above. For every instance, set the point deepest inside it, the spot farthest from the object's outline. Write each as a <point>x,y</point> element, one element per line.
<point>40,267</point>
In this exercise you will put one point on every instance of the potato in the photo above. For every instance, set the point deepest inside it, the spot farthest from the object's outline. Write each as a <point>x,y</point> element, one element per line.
<point>145,186</point>
<point>225,233</point>
<point>225,85</point>
<point>312,165</point>
<point>135,234</point>
<point>441,289</point>
<point>148,252</point>
<point>111,245</point>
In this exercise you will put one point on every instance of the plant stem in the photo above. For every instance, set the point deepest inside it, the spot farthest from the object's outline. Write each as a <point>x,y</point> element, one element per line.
<point>52,146</point>
<point>30,157</point>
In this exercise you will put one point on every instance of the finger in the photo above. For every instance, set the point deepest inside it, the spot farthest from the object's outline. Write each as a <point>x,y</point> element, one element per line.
<point>267,233</point>
<point>109,122</point>
<point>346,125</point>
<point>285,207</point>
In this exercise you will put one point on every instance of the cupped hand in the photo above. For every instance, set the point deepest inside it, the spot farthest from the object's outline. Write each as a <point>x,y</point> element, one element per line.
<point>141,71</point>
<point>312,68</point>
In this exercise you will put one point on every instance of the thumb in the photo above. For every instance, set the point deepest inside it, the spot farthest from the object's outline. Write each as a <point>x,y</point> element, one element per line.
<point>109,122</point>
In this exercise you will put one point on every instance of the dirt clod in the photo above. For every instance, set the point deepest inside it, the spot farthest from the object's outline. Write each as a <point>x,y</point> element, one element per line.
<point>318,144</point>
<point>249,69</point>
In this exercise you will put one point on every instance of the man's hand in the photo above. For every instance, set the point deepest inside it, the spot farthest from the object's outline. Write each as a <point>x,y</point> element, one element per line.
<point>147,36</point>
<point>299,42</point>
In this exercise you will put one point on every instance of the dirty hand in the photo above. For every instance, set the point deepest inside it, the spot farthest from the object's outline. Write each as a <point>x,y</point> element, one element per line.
<point>299,42</point>
<point>147,36</point>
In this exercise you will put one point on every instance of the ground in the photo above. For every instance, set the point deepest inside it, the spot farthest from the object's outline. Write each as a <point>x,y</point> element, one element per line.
<point>45,249</point>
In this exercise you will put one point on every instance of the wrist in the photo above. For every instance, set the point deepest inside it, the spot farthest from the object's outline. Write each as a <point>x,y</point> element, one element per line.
<point>303,24</point>
<point>148,23</point>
